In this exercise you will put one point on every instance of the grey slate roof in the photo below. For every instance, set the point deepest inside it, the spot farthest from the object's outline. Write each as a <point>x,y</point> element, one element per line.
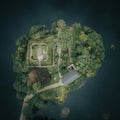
<point>70,77</point>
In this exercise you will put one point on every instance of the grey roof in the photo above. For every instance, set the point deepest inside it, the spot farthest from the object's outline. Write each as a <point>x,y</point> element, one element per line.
<point>70,77</point>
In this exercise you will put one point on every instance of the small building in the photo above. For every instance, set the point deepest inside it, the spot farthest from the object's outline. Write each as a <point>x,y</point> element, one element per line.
<point>70,77</point>
<point>71,67</point>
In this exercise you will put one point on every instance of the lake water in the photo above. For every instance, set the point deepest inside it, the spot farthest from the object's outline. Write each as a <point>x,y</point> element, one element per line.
<point>99,97</point>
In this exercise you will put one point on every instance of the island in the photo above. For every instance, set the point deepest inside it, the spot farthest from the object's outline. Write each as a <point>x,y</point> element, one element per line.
<point>50,62</point>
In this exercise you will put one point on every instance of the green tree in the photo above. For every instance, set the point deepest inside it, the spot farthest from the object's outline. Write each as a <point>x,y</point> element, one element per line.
<point>20,95</point>
<point>36,86</point>
<point>34,29</point>
<point>61,23</point>
<point>76,30</point>
<point>54,28</point>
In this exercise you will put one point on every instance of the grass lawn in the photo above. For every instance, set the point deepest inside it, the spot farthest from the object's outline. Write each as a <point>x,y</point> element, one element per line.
<point>38,47</point>
<point>34,46</point>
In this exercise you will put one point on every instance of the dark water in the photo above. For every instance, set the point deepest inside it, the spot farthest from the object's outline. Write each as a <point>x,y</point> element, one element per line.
<point>101,94</point>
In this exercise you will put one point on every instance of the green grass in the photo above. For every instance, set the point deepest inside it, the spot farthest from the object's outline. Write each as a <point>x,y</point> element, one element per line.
<point>35,52</point>
<point>54,76</point>
<point>36,47</point>
<point>50,58</point>
<point>51,45</point>
<point>58,95</point>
